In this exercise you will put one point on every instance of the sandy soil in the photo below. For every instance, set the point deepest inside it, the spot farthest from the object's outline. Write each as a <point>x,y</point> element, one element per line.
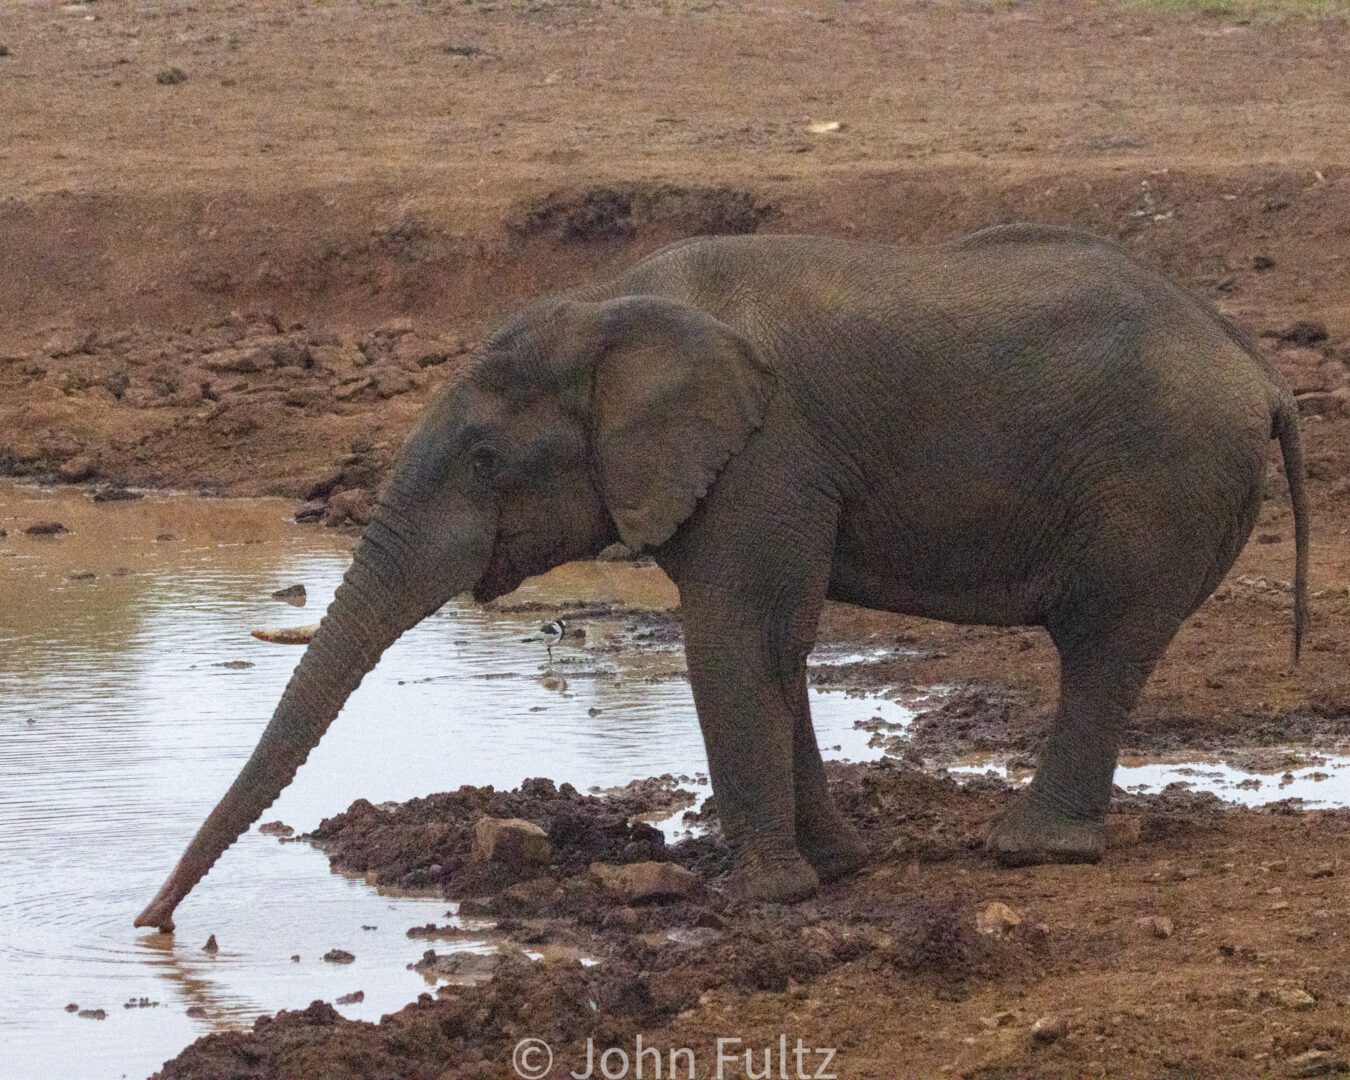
<point>250,278</point>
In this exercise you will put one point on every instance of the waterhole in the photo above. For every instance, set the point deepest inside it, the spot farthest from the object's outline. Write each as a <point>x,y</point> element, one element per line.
<point>131,693</point>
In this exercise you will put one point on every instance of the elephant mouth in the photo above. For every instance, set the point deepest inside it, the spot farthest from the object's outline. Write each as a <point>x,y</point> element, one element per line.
<point>500,577</point>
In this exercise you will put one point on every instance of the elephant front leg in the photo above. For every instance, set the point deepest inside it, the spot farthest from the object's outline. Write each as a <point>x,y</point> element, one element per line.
<point>824,836</point>
<point>748,731</point>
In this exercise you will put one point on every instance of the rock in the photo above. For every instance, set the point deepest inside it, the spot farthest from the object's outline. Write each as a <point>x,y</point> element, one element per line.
<point>1316,1063</point>
<point>211,945</point>
<point>647,881</point>
<point>165,538</point>
<point>338,956</point>
<point>196,1010</point>
<point>46,528</point>
<point>353,505</point>
<point>512,841</point>
<point>113,493</point>
<point>997,919</point>
<point>76,469</point>
<point>1302,332</point>
<point>294,595</point>
<point>528,896</point>
<point>353,998</point>
<point>171,76</point>
<point>1160,926</point>
<point>295,958</point>
<point>313,510</point>
<point>1323,870</point>
<point>83,575</point>
<point>94,1014</point>
<point>276,828</point>
<point>1319,403</point>
<point>1049,1029</point>
<point>1294,997</point>
<point>1122,831</point>
<point>72,1007</point>
<point>1262,262</point>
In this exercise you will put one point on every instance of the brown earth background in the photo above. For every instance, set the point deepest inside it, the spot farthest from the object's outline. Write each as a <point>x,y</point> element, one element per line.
<point>241,244</point>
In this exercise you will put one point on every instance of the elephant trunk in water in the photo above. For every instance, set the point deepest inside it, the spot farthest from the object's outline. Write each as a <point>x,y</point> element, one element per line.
<point>360,624</point>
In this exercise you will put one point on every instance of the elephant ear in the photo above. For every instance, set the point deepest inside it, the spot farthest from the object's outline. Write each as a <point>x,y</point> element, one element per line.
<point>675,394</point>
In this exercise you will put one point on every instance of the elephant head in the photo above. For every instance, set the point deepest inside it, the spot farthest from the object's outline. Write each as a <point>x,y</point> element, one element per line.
<point>576,423</point>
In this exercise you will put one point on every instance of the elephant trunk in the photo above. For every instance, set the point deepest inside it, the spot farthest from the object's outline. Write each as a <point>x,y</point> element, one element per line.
<point>372,608</point>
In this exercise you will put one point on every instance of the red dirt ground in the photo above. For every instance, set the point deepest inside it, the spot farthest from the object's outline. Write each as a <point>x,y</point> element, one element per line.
<point>251,279</point>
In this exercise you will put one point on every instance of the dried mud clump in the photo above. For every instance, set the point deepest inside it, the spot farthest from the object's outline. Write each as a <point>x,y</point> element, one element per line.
<point>429,842</point>
<point>625,210</point>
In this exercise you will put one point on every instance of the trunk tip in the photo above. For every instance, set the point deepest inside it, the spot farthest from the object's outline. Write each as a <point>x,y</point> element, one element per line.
<point>158,915</point>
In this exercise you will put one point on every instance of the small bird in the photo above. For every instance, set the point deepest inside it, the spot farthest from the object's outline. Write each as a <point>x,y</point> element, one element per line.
<point>553,633</point>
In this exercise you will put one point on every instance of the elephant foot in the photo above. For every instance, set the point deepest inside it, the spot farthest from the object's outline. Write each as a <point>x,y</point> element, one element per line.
<point>756,880</point>
<point>834,853</point>
<point>1029,834</point>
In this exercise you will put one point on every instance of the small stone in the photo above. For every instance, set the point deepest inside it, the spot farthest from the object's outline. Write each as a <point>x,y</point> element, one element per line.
<point>645,881</point>
<point>351,506</point>
<point>83,575</point>
<point>276,828</point>
<point>76,469</point>
<point>113,493</point>
<point>1316,1063</point>
<point>1323,870</point>
<point>353,998</point>
<point>312,510</point>
<point>1122,831</point>
<point>513,841</point>
<point>94,1014</point>
<point>211,945</point>
<point>196,1010</point>
<point>1276,866</point>
<point>165,538</point>
<point>1160,926</point>
<point>171,76</point>
<point>46,528</point>
<point>1318,403</point>
<point>1294,997</point>
<point>295,958</point>
<point>1304,332</point>
<point>294,595</point>
<point>338,956</point>
<point>997,919</point>
<point>1049,1029</point>
<point>1262,262</point>
<point>72,1007</point>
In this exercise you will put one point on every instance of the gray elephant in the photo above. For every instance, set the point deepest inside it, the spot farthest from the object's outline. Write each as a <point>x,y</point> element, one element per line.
<point>1026,426</point>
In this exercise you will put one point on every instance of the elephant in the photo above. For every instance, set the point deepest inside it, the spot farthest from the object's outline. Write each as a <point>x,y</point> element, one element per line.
<point>1024,426</point>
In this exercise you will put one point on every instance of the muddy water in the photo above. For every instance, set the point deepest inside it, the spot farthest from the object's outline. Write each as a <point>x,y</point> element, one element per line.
<point>129,699</point>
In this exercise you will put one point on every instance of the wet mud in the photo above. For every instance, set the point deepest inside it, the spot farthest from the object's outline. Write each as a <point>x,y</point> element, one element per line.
<point>1199,910</point>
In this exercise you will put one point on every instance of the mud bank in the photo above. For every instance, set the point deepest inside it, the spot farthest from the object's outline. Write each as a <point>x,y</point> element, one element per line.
<point>1210,941</point>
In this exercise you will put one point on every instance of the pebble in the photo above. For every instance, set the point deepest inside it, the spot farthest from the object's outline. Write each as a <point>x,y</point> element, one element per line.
<point>1049,1029</point>
<point>211,945</point>
<point>1293,997</point>
<point>1160,926</point>
<point>997,919</point>
<point>1316,1063</point>
<point>94,1014</point>
<point>1322,871</point>
<point>353,998</point>
<point>338,956</point>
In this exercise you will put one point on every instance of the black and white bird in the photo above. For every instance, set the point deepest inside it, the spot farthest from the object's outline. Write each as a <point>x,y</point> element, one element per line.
<point>553,633</point>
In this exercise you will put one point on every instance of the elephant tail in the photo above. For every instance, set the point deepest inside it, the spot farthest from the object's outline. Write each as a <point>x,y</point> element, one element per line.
<point>1291,449</point>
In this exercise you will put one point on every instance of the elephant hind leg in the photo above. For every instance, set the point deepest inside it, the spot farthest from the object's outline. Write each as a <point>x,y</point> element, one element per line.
<point>1061,817</point>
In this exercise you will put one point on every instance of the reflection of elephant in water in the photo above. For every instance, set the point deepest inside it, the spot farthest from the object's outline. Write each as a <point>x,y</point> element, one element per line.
<point>1025,426</point>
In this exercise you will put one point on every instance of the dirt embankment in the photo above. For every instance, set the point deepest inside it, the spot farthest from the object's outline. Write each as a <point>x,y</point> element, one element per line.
<point>1209,942</point>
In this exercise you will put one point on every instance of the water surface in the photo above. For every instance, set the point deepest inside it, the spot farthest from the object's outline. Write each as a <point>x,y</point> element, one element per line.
<point>129,700</point>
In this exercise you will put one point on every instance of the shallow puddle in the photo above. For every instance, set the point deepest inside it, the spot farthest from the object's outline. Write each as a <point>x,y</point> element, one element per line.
<point>130,698</point>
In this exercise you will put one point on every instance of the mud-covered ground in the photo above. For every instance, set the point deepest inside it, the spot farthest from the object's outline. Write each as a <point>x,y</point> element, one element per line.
<point>241,245</point>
